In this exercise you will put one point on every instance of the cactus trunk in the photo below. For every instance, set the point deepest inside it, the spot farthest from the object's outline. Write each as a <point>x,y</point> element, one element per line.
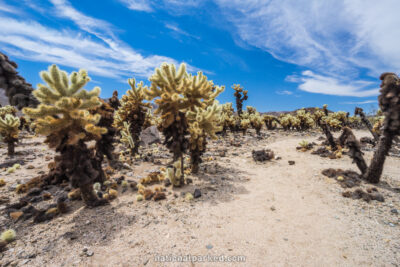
<point>10,148</point>
<point>375,169</point>
<point>360,112</point>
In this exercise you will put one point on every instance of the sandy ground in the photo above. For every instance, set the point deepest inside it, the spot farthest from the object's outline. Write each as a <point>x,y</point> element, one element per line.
<point>264,214</point>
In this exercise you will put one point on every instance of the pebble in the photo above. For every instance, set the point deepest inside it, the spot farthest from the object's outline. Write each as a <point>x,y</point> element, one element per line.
<point>209,246</point>
<point>394,211</point>
<point>197,193</point>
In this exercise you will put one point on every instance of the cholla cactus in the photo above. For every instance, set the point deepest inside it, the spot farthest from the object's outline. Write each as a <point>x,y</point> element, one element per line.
<point>271,122</point>
<point>9,131</point>
<point>126,136</point>
<point>359,111</point>
<point>64,118</point>
<point>175,174</point>
<point>256,122</point>
<point>244,125</point>
<point>251,110</point>
<point>305,119</point>
<point>134,111</point>
<point>239,97</point>
<point>203,123</point>
<point>7,110</point>
<point>176,93</point>
<point>317,116</point>
<point>389,103</point>
<point>286,121</point>
<point>226,119</point>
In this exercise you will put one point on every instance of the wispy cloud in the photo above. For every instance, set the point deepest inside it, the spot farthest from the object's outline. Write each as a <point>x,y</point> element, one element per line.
<point>336,38</point>
<point>138,5</point>
<point>284,92</point>
<point>7,8</point>
<point>93,46</point>
<point>360,102</point>
<point>177,30</point>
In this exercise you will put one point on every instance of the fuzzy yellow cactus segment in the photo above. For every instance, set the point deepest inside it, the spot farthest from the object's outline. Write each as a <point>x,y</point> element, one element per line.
<point>168,86</point>
<point>8,235</point>
<point>204,122</point>
<point>271,122</point>
<point>175,174</point>
<point>317,116</point>
<point>64,108</point>
<point>7,110</point>
<point>9,127</point>
<point>126,136</point>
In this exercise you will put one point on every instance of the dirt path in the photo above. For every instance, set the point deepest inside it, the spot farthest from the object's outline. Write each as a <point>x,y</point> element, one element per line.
<point>274,214</point>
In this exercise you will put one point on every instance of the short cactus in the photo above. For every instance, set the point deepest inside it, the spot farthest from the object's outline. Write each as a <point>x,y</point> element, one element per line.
<point>9,130</point>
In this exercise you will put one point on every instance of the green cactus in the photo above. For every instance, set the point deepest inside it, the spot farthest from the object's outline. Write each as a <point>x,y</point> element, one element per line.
<point>256,122</point>
<point>9,132</point>
<point>63,116</point>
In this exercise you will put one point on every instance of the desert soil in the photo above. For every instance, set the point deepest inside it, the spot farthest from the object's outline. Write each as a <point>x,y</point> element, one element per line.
<point>273,214</point>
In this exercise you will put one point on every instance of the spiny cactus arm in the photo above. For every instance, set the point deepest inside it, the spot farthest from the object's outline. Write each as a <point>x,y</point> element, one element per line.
<point>9,123</point>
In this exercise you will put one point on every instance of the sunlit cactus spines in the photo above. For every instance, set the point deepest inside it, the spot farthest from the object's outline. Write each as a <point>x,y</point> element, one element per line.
<point>133,110</point>
<point>203,123</point>
<point>305,120</point>
<point>241,96</point>
<point>9,132</point>
<point>64,117</point>
<point>7,110</point>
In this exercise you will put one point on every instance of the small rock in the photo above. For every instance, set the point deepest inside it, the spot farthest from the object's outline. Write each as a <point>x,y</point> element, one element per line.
<point>189,181</point>
<point>394,211</point>
<point>273,208</point>
<point>29,167</point>
<point>291,162</point>
<point>209,246</point>
<point>197,193</point>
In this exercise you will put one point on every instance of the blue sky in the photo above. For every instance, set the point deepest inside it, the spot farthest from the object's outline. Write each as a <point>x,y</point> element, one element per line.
<point>289,54</point>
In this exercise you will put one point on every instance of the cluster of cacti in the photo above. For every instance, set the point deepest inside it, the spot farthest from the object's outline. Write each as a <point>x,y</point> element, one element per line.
<point>256,122</point>
<point>9,130</point>
<point>289,122</point>
<point>18,91</point>
<point>305,120</point>
<point>203,123</point>
<point>64,117</point>
<point>335,120</point>
<point>133,111</point>
<point>271,122</point>
<point>240,95</point>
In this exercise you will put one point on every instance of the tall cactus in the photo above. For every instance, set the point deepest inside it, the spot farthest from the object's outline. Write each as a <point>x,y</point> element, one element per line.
<point>240,95</point>
<point>9,132</point>
<point>63,117</point>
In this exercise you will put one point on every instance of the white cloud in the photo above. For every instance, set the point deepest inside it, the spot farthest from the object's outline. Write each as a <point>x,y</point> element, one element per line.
<point>341,39</point>
<point>175,28</point>
<point>8,9</point>
<point>93,47</point>
<point>316,83</point>
<point>138,5</point>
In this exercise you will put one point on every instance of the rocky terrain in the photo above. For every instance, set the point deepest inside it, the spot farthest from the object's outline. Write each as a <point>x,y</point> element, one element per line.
<point>271,213</point>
